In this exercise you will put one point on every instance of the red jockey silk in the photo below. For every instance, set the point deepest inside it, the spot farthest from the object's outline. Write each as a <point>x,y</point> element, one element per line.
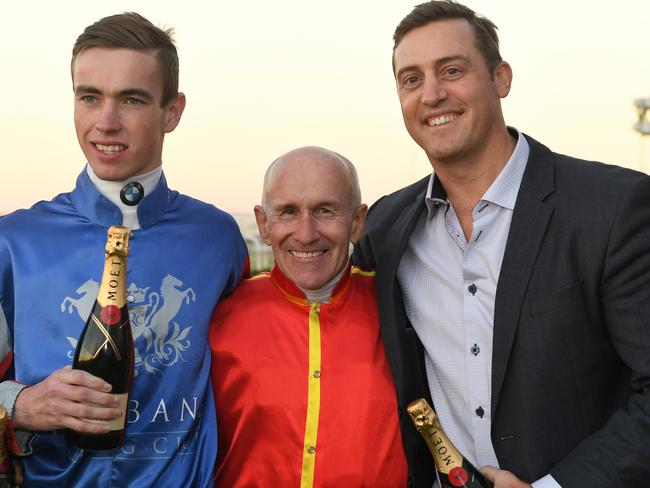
<point>260,341</point>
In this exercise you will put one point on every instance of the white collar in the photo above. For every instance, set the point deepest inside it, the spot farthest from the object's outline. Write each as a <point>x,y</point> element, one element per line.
<point>323,294</point>
<point>111,190</point>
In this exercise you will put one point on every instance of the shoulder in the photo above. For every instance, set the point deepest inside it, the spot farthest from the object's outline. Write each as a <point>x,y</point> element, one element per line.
<point>362,279</point>
<point>251,290</point>
<point>590,177</point>
<point>581,191</point>
<point>216,227</point>
<point>388,208</point>
<point>201,210</point>
<point>250,294</point>
<point>37,219</point>
<point>403,196</point>
<point>362,276</point>
<point>15,219</point>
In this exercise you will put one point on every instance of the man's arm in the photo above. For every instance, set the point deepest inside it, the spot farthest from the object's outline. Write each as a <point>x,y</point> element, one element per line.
<point>63,400</point>
<point>362,255</point>
<point>619,453</point>
<point>56,402</point>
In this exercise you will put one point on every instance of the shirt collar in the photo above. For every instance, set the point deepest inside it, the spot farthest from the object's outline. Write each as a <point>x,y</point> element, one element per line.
<point>294,294</point>
<point>112,189</point>
<point>323,294</point>
<point>503,190</point>
<point>94,206</point>
<point>436,194</point>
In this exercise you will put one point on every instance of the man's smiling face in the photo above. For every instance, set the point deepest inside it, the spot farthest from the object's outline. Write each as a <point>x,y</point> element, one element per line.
<point>309,216</point>
<point>450,101</point>
<point>118,116</point>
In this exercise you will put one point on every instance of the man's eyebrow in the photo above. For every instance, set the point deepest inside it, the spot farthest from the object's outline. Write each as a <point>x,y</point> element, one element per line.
<point>281,206</point>
<point>139,92</point>
<point>323,203</point>
<point>452,58</point>
<point>86,89</point>
<point>436,63</point>
<point>128,92</point>
<point>412,67</point>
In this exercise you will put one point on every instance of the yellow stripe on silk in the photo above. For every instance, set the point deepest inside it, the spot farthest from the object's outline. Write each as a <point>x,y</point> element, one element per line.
<point>313,401</point>
<point>361,272</point>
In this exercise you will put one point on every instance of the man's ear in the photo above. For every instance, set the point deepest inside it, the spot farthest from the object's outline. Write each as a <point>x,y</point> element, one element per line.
<point>173,112</point>
<point>358,221</point>
<point>262,224</point>
<point>503,79</point>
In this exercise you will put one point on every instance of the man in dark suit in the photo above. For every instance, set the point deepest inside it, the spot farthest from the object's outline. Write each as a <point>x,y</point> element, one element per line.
<point>513,282</point>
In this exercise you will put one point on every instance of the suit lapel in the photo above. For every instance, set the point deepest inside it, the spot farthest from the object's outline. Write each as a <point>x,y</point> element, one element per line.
<point>527,229</point>
<point>393,246</point>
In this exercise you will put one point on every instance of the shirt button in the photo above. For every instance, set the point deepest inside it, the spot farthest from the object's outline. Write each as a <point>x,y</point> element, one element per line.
<point>311,449</point>
<point>475,349</point>
<point>480,412</point>
<point>316,374</point>
<point>472,289</point>
<point>130,299</point>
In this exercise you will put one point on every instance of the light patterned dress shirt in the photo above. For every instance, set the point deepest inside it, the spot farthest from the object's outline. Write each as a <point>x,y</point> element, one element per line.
<point>449,285</point>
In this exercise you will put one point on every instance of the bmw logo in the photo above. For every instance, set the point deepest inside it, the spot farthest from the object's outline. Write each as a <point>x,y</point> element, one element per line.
<point>132,193</point>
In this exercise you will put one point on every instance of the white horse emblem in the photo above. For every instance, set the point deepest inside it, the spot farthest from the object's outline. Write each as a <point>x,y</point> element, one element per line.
<point>158,339</point>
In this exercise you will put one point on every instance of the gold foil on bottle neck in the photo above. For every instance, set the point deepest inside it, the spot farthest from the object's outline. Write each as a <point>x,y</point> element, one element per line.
<point>422,414</point>
<point>445,454</point>
<point>112,288</point>
<point>117,242</point>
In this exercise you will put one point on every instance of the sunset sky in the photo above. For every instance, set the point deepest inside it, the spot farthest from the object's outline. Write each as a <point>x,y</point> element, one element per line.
<point>264,77</point>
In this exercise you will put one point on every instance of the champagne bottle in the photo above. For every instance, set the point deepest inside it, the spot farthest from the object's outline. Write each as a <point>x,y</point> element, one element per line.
<point>11,471</point>
<point>454,471</point>
<point>5,461</point>
<point>105,347</point>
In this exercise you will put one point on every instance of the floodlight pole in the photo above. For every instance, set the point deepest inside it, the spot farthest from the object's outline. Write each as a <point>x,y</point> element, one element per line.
<point>642,126</point>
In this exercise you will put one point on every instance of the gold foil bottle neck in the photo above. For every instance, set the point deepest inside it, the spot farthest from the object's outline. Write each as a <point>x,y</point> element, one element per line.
<point>3,414</point>
<point>112,288</point>
<point>422,414</point>
<point>445,454</point>
<point>117,242</point>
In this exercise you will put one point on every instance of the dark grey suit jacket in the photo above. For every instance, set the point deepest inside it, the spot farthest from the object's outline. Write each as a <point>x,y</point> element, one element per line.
<point>571,347</point>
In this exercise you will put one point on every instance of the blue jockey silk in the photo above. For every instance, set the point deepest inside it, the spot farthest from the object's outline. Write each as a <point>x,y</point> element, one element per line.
<point>186,255</point>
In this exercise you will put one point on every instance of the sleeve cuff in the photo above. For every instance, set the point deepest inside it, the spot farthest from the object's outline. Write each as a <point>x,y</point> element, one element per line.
<point>9,391</point>
<point>18,442</point>
<point>546,482</point>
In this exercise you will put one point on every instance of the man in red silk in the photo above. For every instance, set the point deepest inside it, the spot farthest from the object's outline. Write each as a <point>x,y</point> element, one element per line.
<point>303,390</point>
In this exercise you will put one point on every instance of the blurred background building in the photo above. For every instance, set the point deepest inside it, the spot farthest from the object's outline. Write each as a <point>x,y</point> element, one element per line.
<point>261,256</point>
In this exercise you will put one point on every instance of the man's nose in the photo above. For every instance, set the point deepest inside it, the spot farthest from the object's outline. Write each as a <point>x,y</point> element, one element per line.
<point>108,120</point>
<point>307,229</point>
<point>432,91</point>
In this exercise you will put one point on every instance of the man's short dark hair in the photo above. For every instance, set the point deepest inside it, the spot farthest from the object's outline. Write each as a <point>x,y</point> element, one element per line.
<point>131,30</point>
<point>485,31</point>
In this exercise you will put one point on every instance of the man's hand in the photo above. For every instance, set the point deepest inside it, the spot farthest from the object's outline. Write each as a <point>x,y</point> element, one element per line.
<point>502,478</point>
<point>63,400</point>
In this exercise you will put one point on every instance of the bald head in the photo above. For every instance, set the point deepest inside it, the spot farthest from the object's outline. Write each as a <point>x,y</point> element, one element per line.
<point>311,211</point>
<point>304,159</point>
